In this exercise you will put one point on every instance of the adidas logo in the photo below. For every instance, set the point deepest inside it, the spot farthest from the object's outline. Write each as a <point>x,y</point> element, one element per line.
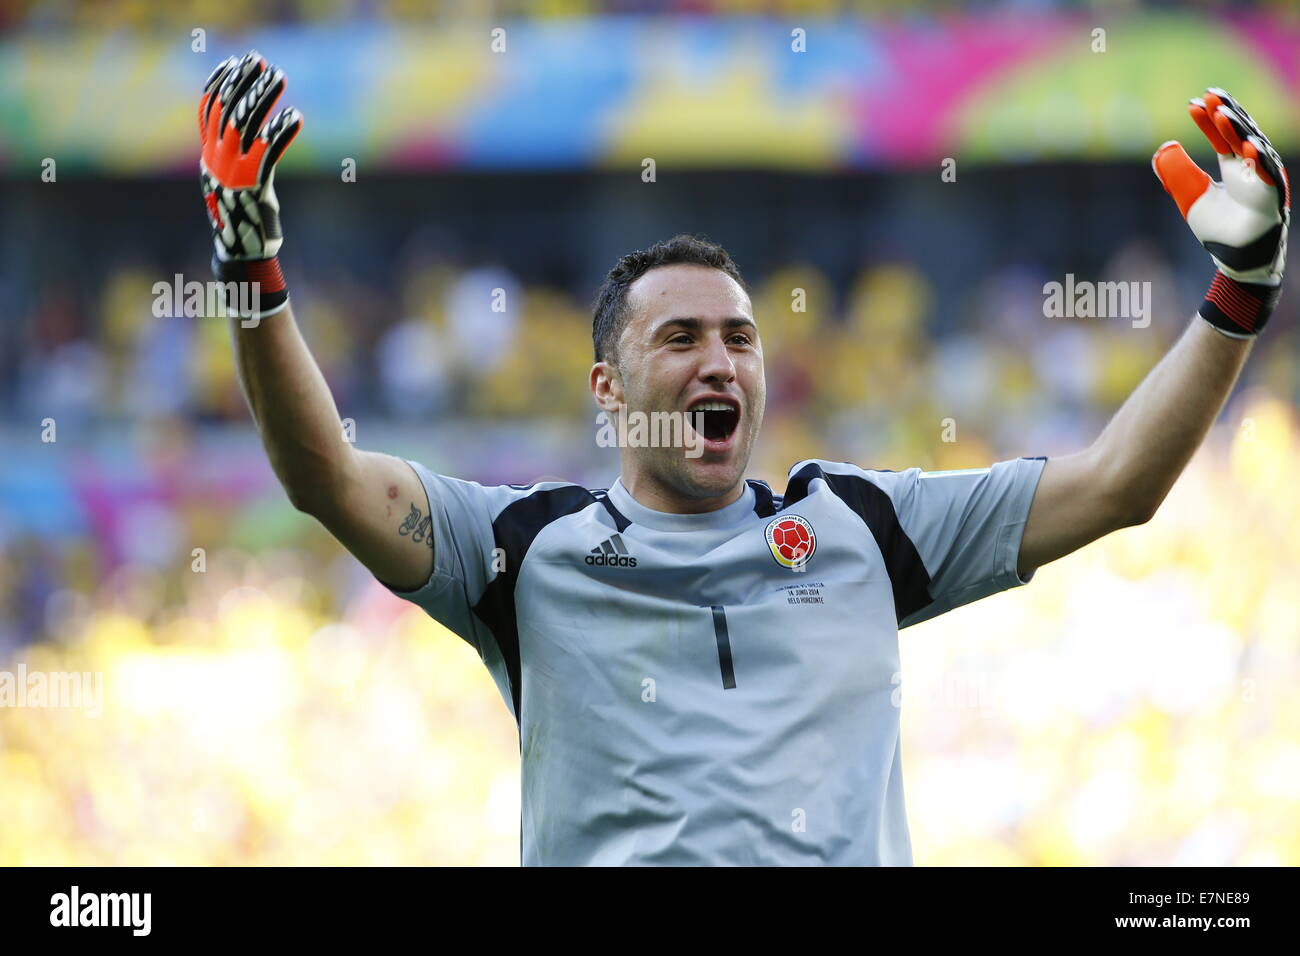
<point>612,552</point>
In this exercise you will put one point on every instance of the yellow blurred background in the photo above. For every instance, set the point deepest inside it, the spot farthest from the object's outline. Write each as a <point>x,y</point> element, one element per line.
<point>266,702</point>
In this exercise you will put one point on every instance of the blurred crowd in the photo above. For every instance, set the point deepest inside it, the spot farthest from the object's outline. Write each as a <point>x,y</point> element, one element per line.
<point>452,341</point>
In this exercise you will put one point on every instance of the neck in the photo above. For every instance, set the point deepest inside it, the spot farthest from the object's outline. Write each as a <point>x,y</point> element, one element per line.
<point>658,497</point>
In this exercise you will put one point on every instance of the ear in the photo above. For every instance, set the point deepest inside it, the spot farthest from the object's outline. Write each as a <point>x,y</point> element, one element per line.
<point>606,386</point>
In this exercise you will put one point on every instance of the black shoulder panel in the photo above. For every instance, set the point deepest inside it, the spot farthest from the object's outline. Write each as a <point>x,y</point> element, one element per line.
<point>764,504</point>
<point>907,575</point>
<point>513,532</point>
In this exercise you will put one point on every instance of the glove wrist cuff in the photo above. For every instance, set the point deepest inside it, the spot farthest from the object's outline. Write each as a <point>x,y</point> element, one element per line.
<point>1238,309</point>
<point>268,292</point>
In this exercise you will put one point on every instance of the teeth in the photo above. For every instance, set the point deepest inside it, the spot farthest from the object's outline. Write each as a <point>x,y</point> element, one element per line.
<point>712,407</point>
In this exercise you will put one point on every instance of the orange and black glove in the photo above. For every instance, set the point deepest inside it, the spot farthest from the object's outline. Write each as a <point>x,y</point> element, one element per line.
<point>1242,221</point>
<point>237,170</point>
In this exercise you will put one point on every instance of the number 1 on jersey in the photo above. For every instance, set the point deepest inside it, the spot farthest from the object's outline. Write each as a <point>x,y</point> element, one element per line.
<point>724,646</point>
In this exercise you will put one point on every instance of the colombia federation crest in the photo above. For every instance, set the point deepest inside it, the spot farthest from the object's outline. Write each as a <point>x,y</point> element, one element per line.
<point>792,541</point>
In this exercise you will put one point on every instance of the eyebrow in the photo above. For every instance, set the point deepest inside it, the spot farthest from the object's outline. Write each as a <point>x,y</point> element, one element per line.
<point>695,323</point>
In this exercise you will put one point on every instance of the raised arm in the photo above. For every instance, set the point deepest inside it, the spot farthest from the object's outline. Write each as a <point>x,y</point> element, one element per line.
<point>374,504</point>
<point>1124,476</point>
<point>367,500</point>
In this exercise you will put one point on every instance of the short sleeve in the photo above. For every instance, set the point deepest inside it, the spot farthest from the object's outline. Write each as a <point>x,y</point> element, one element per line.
<point>948,537</point>
<point>465,555</point>
<point>461,532</point>
<point>481,537</point>
<point>967,527</point>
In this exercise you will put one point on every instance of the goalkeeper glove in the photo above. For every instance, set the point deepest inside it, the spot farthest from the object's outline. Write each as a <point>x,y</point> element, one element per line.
<point>237,170</point>
<point>1241,221</point>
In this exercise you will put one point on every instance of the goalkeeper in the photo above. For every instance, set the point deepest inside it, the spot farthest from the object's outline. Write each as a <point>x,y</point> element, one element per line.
<point>702,669</point>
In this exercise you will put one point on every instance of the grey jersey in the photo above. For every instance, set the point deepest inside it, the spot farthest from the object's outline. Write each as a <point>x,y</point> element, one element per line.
<point>715,688</point>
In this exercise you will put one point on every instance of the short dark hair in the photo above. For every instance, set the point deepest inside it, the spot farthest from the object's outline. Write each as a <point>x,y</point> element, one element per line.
<point>610,312</point>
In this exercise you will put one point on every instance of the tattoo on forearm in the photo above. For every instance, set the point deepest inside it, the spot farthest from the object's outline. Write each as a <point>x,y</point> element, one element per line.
<point>418,526</point>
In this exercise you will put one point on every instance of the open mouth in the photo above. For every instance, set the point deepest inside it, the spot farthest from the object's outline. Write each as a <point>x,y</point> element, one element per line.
<point>715,419</point>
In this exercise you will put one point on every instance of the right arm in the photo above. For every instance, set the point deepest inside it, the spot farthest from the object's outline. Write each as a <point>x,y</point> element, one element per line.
<point>374,504</point>
<point>363,498</point>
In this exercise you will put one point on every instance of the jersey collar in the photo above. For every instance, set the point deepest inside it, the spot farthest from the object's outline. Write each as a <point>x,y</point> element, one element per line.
<point>736,513</point>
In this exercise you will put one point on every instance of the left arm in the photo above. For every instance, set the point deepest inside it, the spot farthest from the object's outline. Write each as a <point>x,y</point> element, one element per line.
<point>1123,476</point>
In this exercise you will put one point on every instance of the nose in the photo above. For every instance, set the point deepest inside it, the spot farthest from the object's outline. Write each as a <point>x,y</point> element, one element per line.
<point>716,365</point>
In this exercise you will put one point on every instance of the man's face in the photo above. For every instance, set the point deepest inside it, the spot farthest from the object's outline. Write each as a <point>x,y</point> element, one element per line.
<point>690,342</point>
